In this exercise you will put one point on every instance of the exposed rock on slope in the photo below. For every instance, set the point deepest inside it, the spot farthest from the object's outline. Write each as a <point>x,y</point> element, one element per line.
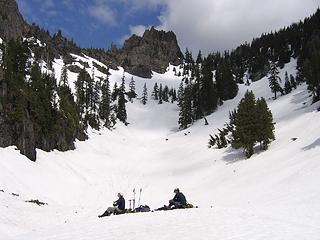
<point>151,52</point>
<point>12,24</point>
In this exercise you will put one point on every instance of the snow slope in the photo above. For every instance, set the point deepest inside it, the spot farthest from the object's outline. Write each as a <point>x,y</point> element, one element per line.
<point>273,195</point>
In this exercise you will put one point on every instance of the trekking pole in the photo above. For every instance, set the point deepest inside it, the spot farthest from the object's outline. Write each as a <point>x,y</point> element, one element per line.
<point>134,198</point>
<point>139,197</point>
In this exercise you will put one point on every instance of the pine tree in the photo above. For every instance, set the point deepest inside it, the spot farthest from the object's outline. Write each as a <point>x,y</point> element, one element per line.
<point>245,133</point>
<point>287,84</point>
<point>208,92</point>
<point>293,81</point>
<point>144,98</point>
<point>274,79</point>
<point>311,71</point>
<point>199,58</point>
<point>105,104</point>
<point>121,109</point>
<point>132,90</point>
<point>115,92</point>
<point>226,86</point>
<point>80,90</point>
<point>155,93</point>
<point>265,125</point>
<point>64,76</point>
<point>160,94</point>
<point>165,94</point>
<point>185,115</point>
<point>180,94</point>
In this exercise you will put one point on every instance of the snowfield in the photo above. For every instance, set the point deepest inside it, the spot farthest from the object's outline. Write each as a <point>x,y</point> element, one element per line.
<point>273,195</point>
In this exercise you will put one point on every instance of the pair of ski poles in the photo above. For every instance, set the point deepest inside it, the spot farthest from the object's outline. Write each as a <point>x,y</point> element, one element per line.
<point>134,199</point>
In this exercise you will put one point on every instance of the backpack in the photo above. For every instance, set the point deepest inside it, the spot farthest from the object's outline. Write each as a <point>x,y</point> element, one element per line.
<point>143,208</point>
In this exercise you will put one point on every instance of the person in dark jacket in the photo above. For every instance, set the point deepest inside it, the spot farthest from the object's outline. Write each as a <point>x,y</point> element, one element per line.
<point>118,207</point>
<point>179,200</point>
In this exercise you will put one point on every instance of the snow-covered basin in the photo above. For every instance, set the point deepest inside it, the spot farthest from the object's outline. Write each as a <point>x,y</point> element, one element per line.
<point>273,195</point>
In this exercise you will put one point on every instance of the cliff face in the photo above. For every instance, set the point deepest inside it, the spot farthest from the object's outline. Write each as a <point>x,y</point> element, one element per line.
<point>139,56</point>
<point>24,133</point>
<point>12,24</point>
<point>151,52</point>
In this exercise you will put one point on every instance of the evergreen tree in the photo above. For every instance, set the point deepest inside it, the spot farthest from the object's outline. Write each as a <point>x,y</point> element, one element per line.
<point>160,94</point>
<point>64,76</point>
<point>245,132</point>
<point>274,79</point>
<point>287,84</point>
<point>14,69</point>
<point>155,93</point>
<point>132,90</point>
<point>199,58</point>
<point>105,104</point>
<point>180,94</point>
<point>144,98</point>
<point>165,94</point>
<point>185,114</point>
<point>226,86</point>
<point>265,125</point>
<point>208,93</point>
<point>311,72</point>
<point>293,82</point>
<point>121,109</point>
<point>115,92</point>
<point>80,90</point>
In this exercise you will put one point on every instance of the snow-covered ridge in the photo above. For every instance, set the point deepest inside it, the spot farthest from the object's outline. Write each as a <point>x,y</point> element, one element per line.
<point>273,195</point>
<point>167,78</point>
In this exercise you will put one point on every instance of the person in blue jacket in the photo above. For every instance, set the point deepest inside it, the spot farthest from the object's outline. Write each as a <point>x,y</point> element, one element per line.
<point>179,200</point>
<point>118,207</point>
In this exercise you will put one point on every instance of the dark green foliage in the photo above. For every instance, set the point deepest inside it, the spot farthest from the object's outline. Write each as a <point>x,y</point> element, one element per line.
<point>226,86</point>
<point>245,133</point>
<point>185,114</point>
<point>293,82</point>
<point>88,99</point>
<point>311,67</point>
<point>105,104</point>
<point>160,94</point>
<point>115,92</point>
<point>274,79</point>
<point>287,84</point>
<point>49,110</point>
<point>14,68</point>
<point>121,108</point>
<point>70,117</point>
<point>64,76</point>
<point>208,96</point>
<point>265,125</point>
<point>144,98</point>
<point>165,94</point>
<point>199,58</point>
<point>155,93</point>
<point>132,90</point>
<point>251,123</point>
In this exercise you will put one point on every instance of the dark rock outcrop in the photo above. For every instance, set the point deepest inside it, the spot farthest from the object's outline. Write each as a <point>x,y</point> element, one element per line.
<point>12,24</point>
<point>151,52</point>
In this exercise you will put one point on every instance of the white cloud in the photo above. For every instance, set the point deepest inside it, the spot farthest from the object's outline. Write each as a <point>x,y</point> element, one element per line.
<point>103,13</point>
<point>213,25</point>
<point>137,30</point>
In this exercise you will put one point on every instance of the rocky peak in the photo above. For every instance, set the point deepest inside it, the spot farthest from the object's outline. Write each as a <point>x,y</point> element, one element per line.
<point>151,52</point>
<point>12,24</point>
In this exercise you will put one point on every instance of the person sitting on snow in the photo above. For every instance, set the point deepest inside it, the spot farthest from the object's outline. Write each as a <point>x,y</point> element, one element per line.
<point>118,206</point>
<point>179,200</point>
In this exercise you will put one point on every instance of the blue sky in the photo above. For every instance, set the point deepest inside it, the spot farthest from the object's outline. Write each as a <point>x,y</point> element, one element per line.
<point>95,23</point>
<point>209,25</point>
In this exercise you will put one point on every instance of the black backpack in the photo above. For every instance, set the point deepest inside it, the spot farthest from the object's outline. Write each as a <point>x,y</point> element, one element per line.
<point>143,208</point>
